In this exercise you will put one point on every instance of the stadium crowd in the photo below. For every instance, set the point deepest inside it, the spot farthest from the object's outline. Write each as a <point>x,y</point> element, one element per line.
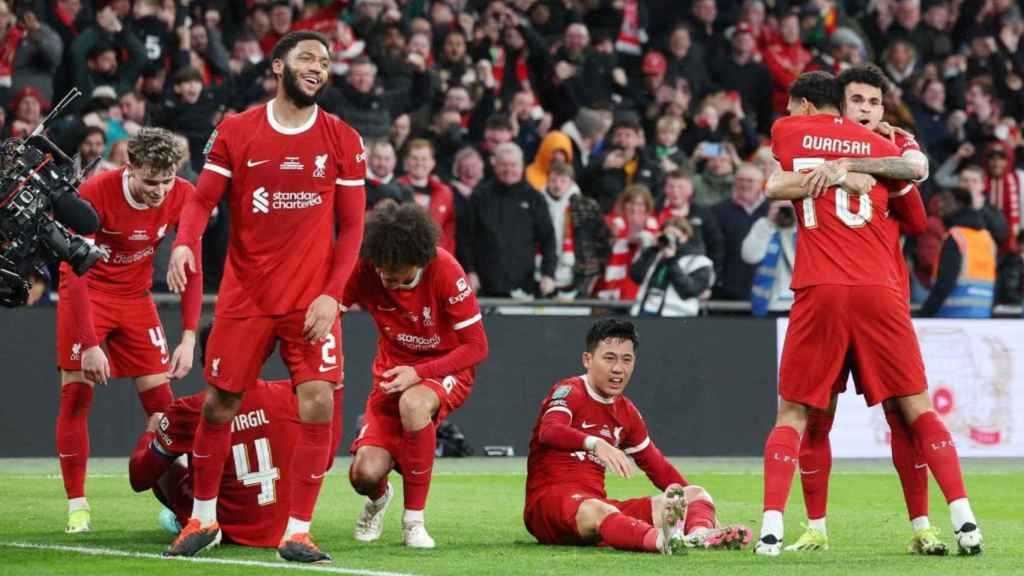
<point>565,148</point>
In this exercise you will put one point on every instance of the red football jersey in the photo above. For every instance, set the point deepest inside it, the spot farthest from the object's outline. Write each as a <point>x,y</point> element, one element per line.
<point>282,203</point>
<point>418,323</point>
<point>130,231</point>
<point>907,203</point>
<point>617,421</point>
<point>842,236</point>
<point>252,507</point>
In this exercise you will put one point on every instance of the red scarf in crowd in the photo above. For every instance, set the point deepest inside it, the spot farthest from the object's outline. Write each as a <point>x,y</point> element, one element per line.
<point>1004,194</point>
<point>8,46</point>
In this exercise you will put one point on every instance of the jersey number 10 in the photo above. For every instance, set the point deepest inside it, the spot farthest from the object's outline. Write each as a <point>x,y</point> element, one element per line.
<point>852,219</point>
<point>265,475</point>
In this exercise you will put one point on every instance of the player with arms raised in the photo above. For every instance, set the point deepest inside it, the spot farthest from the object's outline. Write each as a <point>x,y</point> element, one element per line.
<point>862,89</point>
<point>111,304</point>
<point>252,508</point>
<point>430,340</point>
<point>586,425</point>
<point>850,309</point>
<point>293,174</point>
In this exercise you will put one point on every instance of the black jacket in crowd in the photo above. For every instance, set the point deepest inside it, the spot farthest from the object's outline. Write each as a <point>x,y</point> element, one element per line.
<point>604,185</point>
<point>507,224</point>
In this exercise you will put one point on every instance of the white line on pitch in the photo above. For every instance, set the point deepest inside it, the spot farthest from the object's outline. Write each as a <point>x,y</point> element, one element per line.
<point>200,559</point>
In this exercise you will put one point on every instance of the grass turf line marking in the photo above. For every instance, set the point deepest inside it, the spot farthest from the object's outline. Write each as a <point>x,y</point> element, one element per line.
<point>199,560</point>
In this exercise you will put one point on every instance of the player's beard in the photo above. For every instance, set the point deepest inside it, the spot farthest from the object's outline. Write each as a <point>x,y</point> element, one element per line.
<point>290,79</point>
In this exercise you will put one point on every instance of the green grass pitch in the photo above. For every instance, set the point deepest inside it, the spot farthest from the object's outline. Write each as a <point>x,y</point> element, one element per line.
<point>475,514</point>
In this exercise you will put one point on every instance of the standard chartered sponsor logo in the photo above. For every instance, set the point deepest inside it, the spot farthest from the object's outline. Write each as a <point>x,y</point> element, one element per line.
<point>131,258</point>
<point>263,202</point>
<point>260,204</point>
<point>419,342</point>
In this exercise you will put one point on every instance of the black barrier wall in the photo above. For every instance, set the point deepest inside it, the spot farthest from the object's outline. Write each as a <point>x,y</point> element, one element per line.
<point>706,386</point>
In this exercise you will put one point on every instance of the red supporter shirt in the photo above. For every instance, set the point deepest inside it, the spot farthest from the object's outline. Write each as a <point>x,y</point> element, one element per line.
<point>284,188</point>
<point>842,237</point>
<point>252,507</point>
<point>129,230</point>
<point>617,421</point>
<point>906,212</point>
<point>418,324</point>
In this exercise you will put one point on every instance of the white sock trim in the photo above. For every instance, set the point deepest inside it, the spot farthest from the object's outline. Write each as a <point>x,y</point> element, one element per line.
<point>818,524</point>
<point>920,523</point>
<point>205,511</point>
<point>413,517</point>
<point>960,513</point>
<point>296,526</point>
<point>380,501</point>
<point>77,504</point>
<point>771,523</point>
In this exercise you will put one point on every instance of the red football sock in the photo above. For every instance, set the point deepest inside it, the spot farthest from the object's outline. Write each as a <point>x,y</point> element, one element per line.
<point>699,514</point>
<point>309,466</point>
<point>157,399</point>
<point>626,533</point>
<point>934,441</point>
<point>910,465</point>
<point>209,452</point>
<point>816,463</point>
<point>418,465</point>
<point>73,436</point>
<point>780,459</point>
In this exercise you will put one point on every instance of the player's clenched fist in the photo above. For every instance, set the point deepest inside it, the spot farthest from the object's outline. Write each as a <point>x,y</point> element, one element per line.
<point>613,458</point>
<point>181,258</point>
<point>320,317</point>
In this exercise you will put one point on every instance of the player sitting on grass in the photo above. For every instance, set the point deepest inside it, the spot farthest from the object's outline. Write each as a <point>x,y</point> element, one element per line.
<point>254,490</point>
<point>586,425</point>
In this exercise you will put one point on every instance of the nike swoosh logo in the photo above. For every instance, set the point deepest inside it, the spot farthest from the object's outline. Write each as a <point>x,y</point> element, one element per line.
<point>586,425</point>
<point>62,455</point>
<point>250,163</point>
<point>198,455</point>
<point>111,232</point>
<point>326,368</point>
<point>317,476</point>
<point>420,472</point>
<point>919,466</point>
<point>386,308</point>
<point>809,472</point>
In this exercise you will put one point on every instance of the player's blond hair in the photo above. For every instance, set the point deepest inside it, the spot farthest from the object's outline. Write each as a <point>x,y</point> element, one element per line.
<point>157,148</point>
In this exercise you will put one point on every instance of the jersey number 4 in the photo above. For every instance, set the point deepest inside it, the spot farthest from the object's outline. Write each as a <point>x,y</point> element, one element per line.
<point>847,216</point>
<point>265,475</point>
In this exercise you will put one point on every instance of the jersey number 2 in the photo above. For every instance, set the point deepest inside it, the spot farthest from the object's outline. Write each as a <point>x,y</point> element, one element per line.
<point>265,475</point>
<point>852,219</point>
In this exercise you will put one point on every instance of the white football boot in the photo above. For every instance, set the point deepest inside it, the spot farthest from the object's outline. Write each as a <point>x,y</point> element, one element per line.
<point>370,524</point>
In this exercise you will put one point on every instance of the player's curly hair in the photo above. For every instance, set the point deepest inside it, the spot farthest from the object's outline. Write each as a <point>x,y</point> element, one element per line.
<point>862,74</point>
<point>818,88</point>
<point>614,328</point>
<point>157,148</point>
<point>399,235</point>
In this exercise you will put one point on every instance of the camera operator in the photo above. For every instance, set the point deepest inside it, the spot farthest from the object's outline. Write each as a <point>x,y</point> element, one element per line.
<point>111,303</point>
<point>771,246</point>
<point>672,274</point>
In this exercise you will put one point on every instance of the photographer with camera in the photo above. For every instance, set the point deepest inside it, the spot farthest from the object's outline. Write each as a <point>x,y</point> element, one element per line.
<point>672,274</point>
<point>771,246</point>
<point>111,303</point>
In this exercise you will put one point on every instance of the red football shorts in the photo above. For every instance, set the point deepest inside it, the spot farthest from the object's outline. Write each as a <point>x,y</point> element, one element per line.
<point>129,329</point>
<point>550,515</point>
<point>866,329</point>
<point>382,422</point>
<point>238,347</point>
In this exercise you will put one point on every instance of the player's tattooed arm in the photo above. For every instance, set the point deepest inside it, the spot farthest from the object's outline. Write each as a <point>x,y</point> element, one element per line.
<point>892,167</point>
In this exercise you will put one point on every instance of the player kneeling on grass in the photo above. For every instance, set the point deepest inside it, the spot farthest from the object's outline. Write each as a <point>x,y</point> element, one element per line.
<point>586,425</point>
<point>252,508</point>
<point>431,339</point>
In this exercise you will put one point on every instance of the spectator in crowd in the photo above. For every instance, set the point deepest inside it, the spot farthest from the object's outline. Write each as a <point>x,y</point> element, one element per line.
<point>964,285</point>
<point>679,204</point>
<point>1002,183</point>
<point>585,131</point>
<point>34,49</point>
<point>672,274</point>
<point>582,240</point>
<point>737,215</point>
<point>623,163</point>
<point>467,173</point>
<point>715,182</point>
<point>634,226</point>
<point>90,147</point>
<point>508,223</point>
<point>931,119</point>
<point>29,107</point>
<point>381,181</point>
<point>771,246</point>
<point>136,111</point>
<point>370,108</point>
<point>972,179</point>
<point>786,58</point>
<point>740,71</point>
<point>555,148</point>
<point>429,191</point>
<point>191,110</point>
<point>687,61</point>
<point>95,57</point>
